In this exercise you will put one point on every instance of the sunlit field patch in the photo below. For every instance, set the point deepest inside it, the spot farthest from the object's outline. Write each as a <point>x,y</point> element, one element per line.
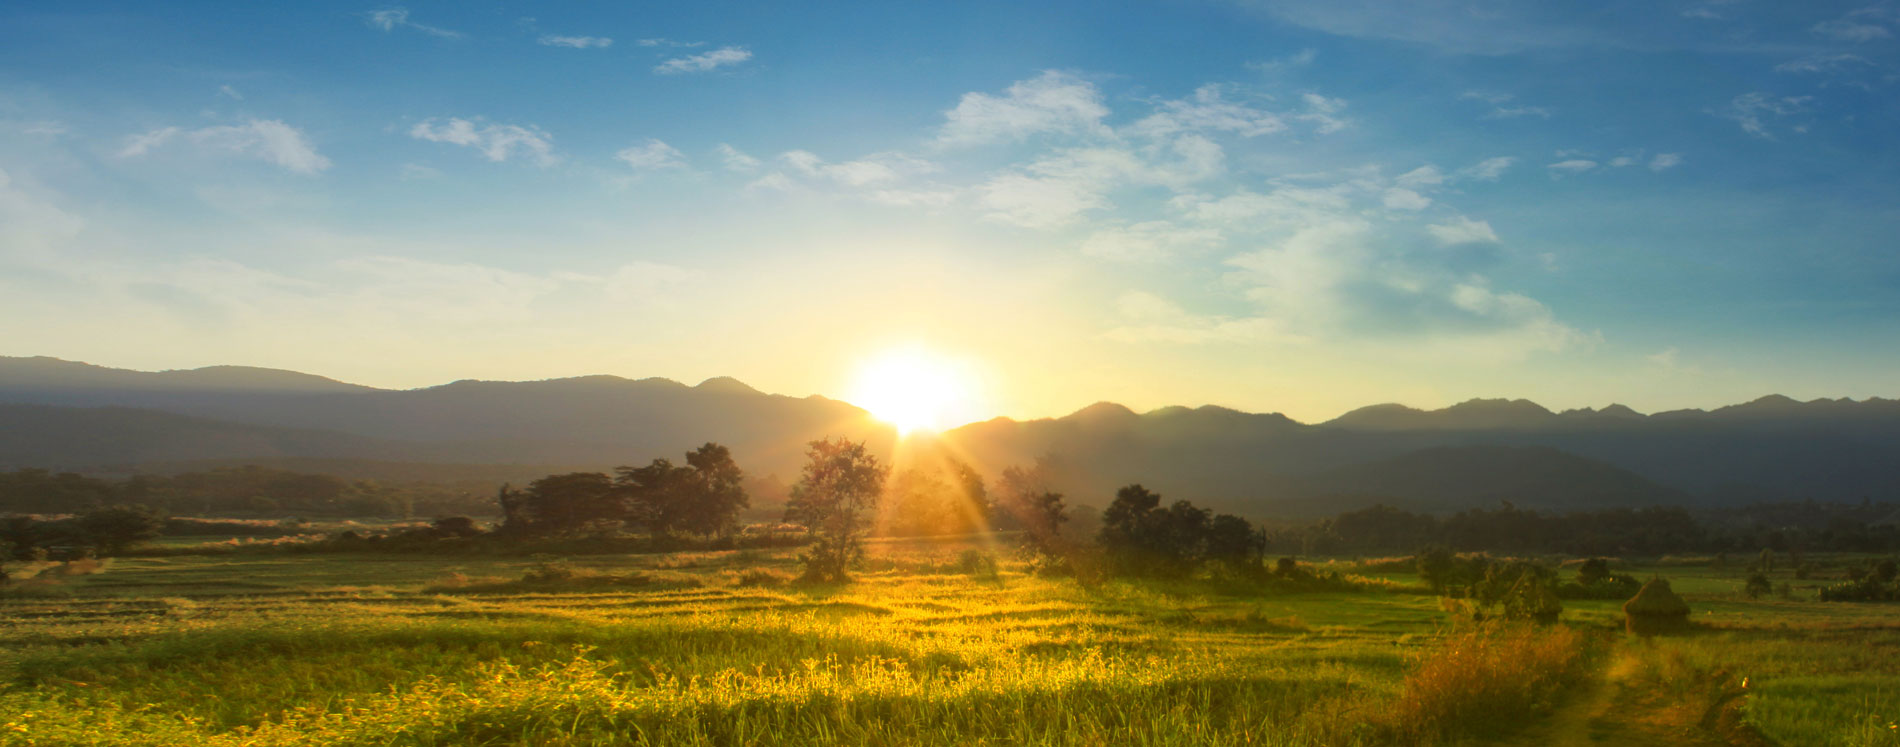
<point>299,650</point>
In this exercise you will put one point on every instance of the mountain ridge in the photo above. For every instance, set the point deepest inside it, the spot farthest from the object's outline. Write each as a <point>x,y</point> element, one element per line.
<point>1770,448</point>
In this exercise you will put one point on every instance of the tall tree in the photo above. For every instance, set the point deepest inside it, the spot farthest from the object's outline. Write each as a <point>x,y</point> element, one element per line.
<point>716,487</point>
<point>573,502</point>
<point>703,497</point>
<point>833,499</point>
<point>1142,538</point>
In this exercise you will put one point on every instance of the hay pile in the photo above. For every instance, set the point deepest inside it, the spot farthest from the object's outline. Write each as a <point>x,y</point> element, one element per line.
<point>1655,610</point>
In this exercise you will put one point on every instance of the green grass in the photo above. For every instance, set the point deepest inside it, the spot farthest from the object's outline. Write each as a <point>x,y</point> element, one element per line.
<point>705,649</point>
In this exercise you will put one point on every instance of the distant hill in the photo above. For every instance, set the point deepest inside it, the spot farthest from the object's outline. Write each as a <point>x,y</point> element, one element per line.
<point>54,381</point>
<point>590,420</point>
<point>71,415</point>
<point>74,438</point>
<point>1773,448</point>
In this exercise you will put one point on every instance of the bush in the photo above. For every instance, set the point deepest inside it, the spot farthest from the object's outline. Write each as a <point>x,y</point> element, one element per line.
<point>1870,582</point>
<point>1486,681</point>
<point>977,563</point>
<point>1614,586</point>
<point>1756,586</point>
<point>762,577</point>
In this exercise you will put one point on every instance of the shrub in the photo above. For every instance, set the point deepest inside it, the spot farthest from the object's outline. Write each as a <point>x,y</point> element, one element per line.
<point>762,577</point>
<point>1756,586</point>
<point>1614,586</point>
<point>1593,571</point>
<point>977,563</point>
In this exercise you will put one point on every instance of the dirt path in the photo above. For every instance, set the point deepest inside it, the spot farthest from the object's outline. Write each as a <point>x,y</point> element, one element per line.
<point>1608,711</point>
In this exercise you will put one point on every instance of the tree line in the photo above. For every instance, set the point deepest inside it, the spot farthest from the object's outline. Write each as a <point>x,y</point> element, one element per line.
<point>235,491</point>
<point>1811,526</point>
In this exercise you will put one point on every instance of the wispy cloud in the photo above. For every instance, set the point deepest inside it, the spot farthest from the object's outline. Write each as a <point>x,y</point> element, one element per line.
<point>1208,111</point>
<point>1053,102</point>
<point>699,63</point>
<point>390,19</point>
<point>576,42</point>
<point>1572,166</point>
<point>1297,60</point>
<point>230,92</point>
<point>269,140</point>
<point>1500,108</point>
<point>1320,110</point>
<point>877,168</point>
<point>1149,318</point>
<point>1665,161</point>
<point>1863,25</point>
<point>1825,63</point>
<point>1463,230</point>
<point>1147,242</point>
<point>656,42</point>
<point>1753,110</point>
<point>496,142</point>
<point>1400,198</point>
<point>652,155</point>
<point>1490,169</point>
<point>1423,176</point>
<point>735,159</point>
<point>1059,188</point>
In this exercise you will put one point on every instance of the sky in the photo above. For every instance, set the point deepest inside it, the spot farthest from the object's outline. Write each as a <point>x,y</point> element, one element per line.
<point>1298,206</point>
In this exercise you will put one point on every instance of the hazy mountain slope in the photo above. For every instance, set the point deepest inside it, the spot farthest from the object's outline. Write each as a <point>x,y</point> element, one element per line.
<point>602,420</point>
<point>75,438</point>
<point>1452,477</point>
<point>53,379</point>
<point>1773,448</point>
<point>1770,449</point>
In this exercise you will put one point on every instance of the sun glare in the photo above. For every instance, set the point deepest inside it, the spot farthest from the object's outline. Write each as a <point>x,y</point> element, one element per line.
<point>915,389</point>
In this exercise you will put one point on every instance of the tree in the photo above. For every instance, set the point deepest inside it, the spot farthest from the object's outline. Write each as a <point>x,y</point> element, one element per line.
<point>1231,540</point>
<point>573,502</point>
<point>1437,565</point>
<point>1142,538</point>
<point>1025,502</point>
<point>115,528</point>
<point>833,497</point>
<point>703,497</point>
<point>715,489</point>
<point>653,495</point>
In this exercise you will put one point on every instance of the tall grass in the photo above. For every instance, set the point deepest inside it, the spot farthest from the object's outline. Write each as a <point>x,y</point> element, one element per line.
<point>1486,681</point>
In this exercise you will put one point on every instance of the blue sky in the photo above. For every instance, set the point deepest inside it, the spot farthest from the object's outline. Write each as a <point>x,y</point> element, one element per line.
<point>1278,206</point>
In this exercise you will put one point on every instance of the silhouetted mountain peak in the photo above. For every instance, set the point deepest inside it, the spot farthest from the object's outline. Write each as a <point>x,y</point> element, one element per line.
<point>1381,416</point>
<point>1102,412</point>
<point>47,373</point>
<point>725,385</point>
<point>1471,413</point>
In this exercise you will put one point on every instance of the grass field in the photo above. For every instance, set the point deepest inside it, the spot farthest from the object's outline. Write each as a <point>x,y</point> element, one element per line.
<point>716,648</point>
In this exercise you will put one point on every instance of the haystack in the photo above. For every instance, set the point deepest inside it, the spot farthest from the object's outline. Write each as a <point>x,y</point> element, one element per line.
<point>1655,610</point>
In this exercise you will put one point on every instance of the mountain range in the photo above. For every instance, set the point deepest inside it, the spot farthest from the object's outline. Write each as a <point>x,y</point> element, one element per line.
<point>75,416</point>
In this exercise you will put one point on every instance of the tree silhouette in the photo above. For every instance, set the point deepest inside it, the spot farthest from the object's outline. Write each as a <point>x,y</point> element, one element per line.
<point>115,528</point>
<point>703,497</point>
<point>833,497</point>
<point>1142,538</point>
<point>573,502</point>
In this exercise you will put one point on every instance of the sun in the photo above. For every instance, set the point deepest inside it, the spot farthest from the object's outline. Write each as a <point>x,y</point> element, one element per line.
<point>915,389</point>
